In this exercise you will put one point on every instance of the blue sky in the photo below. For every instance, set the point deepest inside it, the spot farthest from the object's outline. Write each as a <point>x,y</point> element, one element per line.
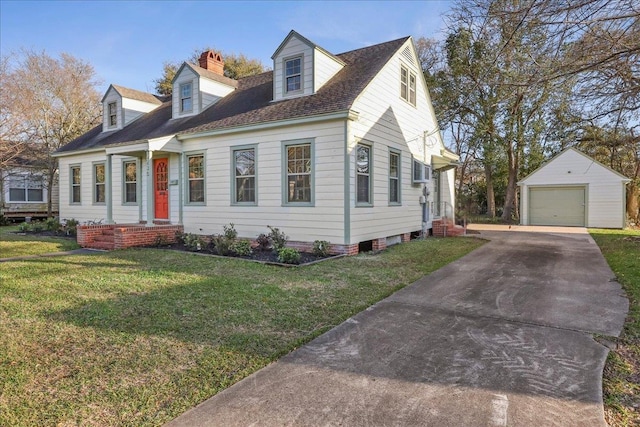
<point>128,41</point>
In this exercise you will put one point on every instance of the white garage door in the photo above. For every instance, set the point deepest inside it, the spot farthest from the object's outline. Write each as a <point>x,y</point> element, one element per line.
<point>557,206</point>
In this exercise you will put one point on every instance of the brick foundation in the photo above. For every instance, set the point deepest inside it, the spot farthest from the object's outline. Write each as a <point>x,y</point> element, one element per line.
<point>379,244</point>
<point>125,236</point>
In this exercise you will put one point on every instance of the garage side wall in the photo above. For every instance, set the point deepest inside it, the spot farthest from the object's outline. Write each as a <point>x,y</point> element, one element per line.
<point>605,189</point>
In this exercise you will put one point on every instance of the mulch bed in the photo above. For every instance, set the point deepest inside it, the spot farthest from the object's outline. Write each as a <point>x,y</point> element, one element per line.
<point>268,257</point>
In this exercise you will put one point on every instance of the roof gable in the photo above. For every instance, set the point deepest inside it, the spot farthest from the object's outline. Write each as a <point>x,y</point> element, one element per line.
<point>138,95</point>
<point>563,154</point>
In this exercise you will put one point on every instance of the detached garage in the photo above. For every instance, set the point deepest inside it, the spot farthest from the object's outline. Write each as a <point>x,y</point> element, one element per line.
<point>572,189</point>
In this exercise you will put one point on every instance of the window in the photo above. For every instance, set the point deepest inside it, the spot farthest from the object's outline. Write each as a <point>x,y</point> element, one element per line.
<point>244,166</point>
<point>394,177</point>
<point>75,184</point>
<point>293,74</point>
<point>421,172</point>
<point>113,115</point>
<point>26,188</point>
<point>298,173</point>
<point>363,174</point>
<point>195,167</point>
<point>408,85</point>
<point>130,174</point>
<point>186,102</point>
<point>99,183</point>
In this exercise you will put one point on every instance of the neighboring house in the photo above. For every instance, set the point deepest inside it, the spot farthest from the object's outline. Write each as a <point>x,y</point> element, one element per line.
<point>24,194</point>
<point>572,189</point>
<point>324,147</point>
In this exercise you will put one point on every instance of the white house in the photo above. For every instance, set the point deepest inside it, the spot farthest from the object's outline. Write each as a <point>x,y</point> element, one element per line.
<point>326,147</point>
<point>24,192</point>
<point>572,189</point>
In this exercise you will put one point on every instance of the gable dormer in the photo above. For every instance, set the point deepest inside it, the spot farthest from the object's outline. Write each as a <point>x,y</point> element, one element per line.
<point>197,87</point>
<point>300,67</point>
<point>121,106</point>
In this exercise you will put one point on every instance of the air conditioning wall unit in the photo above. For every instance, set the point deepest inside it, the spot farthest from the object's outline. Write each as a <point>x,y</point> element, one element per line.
<point>421,173</point>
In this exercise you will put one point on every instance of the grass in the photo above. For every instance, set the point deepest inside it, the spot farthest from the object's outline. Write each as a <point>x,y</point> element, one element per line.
<point>13,245</point>
<point>136,337</point>
<point>621,381</point>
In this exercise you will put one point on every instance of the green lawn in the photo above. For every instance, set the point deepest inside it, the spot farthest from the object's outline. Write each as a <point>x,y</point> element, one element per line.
<point>12,245</point>
<point>136,337</point>
<point>621,383</point>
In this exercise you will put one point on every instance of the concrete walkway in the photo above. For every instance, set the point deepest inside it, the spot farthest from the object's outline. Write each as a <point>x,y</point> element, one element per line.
<point>501,337</point>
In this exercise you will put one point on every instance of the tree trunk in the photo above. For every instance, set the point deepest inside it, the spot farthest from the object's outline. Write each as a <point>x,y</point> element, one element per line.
<point>633,202</point>
<point>510,197</point>
<point>491,195</point>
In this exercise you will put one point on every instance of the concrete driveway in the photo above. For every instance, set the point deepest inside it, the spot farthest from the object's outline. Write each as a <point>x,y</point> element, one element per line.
<point>501,337</point>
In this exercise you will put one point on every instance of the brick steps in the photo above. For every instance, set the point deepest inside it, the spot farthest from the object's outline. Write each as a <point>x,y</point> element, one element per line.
<point>446,227</point>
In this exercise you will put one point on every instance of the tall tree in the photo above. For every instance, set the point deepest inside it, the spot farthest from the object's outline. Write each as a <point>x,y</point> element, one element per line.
<point>236,66</point>
<point>50,102</point>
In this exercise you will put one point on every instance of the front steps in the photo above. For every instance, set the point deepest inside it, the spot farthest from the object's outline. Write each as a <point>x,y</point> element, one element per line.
<point>121,236</point>
<point>445,227</point>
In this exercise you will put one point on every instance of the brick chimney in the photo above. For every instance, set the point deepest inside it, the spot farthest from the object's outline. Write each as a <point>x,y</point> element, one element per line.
<point>212,61</point>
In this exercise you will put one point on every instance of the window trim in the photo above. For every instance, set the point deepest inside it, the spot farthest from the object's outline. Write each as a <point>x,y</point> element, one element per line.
<point>369,145</point>
<point>72,185</point>
<point>125,182</point>
<point>181,98</point>
<point>187,155</point>
<point>285,174</point>
<point>26,178</point>
<point>234,148</point>
<point>395,152</point>
<point>95,183</point>
<point>410,89</point>
<point>285,76</point>
<point>114,115</point>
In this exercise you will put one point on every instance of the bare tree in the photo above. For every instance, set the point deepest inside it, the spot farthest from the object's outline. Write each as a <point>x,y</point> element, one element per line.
<point>47,102</point>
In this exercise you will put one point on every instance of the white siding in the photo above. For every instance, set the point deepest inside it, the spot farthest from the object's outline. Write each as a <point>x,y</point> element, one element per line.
<point>324,221</point>
<point>212,92</point>
<point>111,96</point>
<point>386,120</point>
<point>186,76</point>
<point>295,47</point>
<point>605,189</point>
<point>132,109</point>
<point>325,67</point>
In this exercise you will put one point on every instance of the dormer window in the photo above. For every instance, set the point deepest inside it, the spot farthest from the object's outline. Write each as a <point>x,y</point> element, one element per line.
<point>408,85</point>
<point>186,100</point>
<point>293,74</point>
<point>113,114</point>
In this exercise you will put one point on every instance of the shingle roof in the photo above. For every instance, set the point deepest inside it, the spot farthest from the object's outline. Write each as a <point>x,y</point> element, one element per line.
<point>125,92</point>
<point>212,76</point>
<point>252,103</point>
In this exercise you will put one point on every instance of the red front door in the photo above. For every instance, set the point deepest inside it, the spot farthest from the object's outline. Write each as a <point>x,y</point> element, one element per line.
<point>161,182</point>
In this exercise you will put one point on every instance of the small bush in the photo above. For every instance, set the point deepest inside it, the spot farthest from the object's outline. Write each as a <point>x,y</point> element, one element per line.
<point>37,226</point>
<point>288,256</point>
<point>263,241</point>
<point>53,224</point>
<point>160,241</point>
<point>277,237</point>
<point>321,248</point>
<point>180,237</point>
<point>25,227</point>
<point>70,226</point>
<point>230,232</point>
<point>221,244</point>
<point>194,242</point>
<point>241,247</point>
<point>4,220</point>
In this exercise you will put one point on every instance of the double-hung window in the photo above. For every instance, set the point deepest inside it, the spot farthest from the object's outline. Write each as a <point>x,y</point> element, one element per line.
<point>293,74</point>
<point>408,85</point>
<point>186,98</point>
<point>298,176</point>
<point>130,182</point>
<point>195,171</point>
<point>26,188</point>
<point>113,114</point>
<point>363,174</point>
<point>394,178</point>
<point>244,166</point>
<point>99,183</point>
<point>75,184</point>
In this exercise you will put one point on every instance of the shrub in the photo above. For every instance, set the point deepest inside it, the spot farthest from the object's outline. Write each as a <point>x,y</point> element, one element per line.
<point>288,255</point>
<point>221,243</point>
<point>24,227</point>
<point>4,220</point>
<point>263,241</point>
<point>230,232</point>
<point>52,224</point>
<point>277,237</point>
<point>160,240</point>
<point>321,248</point>
<point>70,226</point>
<point>180,237</point>
<point>194,242</point>
<point>37,226</point>
<point>241,247</point>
